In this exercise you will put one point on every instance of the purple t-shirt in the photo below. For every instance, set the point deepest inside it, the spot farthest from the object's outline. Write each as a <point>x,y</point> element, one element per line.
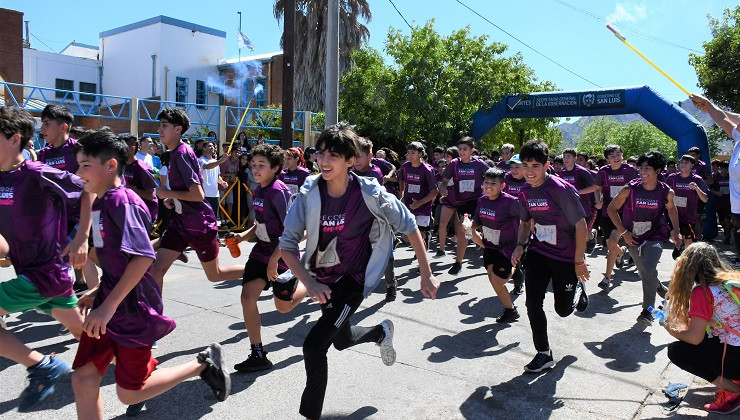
<point>513,185</point>
<point>121,227</point>
<point>700,169</point>
<point>270,207</point>
<point>373,172</point>
<point>499,219</point>
<point>385,166</point>
<point>611,181</point>
<point>580,178</point>
<point>418,182</point>
<point>344,238</point>
<point>136,174</point>
<point>686,199</point>
<point>643,212</point>
<point>197,217</point>
<point>62,157</point>
<point>721,184</point>
<point>555,207</point>
<point>33,202</point>
<point>504,165</point>
<point>294,179</point>
<point>468,178</point>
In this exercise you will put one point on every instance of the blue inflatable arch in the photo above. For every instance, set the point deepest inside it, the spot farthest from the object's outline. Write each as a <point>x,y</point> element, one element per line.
<point>665,115</point>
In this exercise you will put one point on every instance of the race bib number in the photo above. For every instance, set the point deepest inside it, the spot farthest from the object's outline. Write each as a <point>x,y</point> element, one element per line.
<point>467,185</point>
<point>261,231</point>
<point>546,233</point>
<point>413,188</point>
<point>97,236</point>
<point>293,189</point>
<point>450,183</point>
<point>328,257</point>
<point>614,190</point>
<point>491,235</point>
<point>680,201</point>
<point>724,190</point>
<point>423,221</point>
<point>640,228</point>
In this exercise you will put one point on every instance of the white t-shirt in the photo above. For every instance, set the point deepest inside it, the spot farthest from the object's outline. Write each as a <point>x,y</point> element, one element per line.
<point>210,177</point>
<point>735,174</point>
<point>146,158</point>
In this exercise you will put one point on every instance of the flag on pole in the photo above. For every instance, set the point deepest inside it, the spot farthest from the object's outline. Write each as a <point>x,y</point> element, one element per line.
<point>242,41</point>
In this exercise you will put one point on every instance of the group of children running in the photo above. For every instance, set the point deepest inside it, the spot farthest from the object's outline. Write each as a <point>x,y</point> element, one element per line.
<point>534,224</point>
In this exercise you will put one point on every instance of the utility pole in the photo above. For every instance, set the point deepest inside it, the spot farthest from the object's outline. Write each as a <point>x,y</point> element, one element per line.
<point>331,103</point>
<point>239,89</point>
<point>286,140</point>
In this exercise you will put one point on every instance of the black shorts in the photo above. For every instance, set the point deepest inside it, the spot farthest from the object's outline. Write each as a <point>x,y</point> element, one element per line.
<point>607,226</point>
<point>700,207</point>
<point>686,230</point>
<point>255,269</point>
<point>466,208</point>
<point>723,213</point>
<point>501,265</point>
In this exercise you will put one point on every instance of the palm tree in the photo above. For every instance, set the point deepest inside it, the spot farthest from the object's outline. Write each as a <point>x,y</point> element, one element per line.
<point>310,45</point>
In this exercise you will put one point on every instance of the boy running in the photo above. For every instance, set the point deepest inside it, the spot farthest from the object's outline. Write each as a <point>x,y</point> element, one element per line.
<point>347,221</point>
<point>139,178</point>
<point>364,165</point>
<point>556,251</point>
<point>295,172</point>
<point>418,186</point>
<point>688,188</point>
<point>125,309</point>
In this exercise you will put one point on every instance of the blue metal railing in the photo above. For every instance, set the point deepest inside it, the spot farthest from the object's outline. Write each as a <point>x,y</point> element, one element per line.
<point>261,118</point>
<point>35,98</point>
<point>200,114</point>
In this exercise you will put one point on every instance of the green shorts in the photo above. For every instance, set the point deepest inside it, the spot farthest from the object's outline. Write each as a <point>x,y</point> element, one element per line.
<point>20,295</point>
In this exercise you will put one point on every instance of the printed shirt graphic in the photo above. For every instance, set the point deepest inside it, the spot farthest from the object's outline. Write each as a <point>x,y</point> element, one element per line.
<point>556,208</point>
<point>418,182</point>
<point>33,202</point>
<point>197,217</point>
<point>64,159</point>
<point>715,302</point>
<point>137,175</point>
<point>294,179</point>
<point>611,181</point>
<point>686,199</point>
<point>121,227</point>
<point>721,184</point>
<point>468,178</point>
<point>499,220</point>
<point>270,207</point>
<point>513,185</point>
<point>344,238</point>
<point>580,178</point>
<point>643,213</point>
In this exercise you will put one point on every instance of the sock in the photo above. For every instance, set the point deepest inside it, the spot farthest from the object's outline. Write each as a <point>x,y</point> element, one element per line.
<point>257,348</point>
<point>43,362</point>
<point>547,352</point>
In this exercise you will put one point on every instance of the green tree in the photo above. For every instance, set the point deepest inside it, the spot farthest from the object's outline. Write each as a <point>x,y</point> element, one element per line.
<point>432,86</point>
<point>636,138</point>
<point>310,45</point>
<point>718,69</point>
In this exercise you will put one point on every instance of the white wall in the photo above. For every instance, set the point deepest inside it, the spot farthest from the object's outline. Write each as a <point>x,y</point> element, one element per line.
<point>80,51</point>
<point>41,68</point>
<point>127,61</point>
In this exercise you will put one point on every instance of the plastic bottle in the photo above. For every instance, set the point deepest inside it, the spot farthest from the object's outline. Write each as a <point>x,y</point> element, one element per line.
<point>468,226</point>
<point>233,245</point>
<point>659,314</point>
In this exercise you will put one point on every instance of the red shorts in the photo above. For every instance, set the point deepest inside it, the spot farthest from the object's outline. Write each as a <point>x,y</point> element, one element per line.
<point>133,365</point>
<point>205,245</point>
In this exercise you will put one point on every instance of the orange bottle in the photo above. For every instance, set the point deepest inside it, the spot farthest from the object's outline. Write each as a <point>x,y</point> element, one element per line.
<point>233,245</point>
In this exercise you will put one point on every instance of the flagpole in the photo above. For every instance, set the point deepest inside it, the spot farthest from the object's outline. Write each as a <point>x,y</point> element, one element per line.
<point>238,63</point>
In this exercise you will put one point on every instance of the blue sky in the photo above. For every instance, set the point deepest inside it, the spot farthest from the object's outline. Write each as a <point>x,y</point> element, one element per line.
<point>569,32</point>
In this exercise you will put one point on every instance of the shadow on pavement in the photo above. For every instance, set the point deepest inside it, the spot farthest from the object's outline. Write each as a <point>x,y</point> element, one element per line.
<point>628,349</point>
<point>468,344</point>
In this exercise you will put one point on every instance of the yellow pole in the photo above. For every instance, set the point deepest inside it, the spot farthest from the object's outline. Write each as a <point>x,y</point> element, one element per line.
<point>236,133</point>
<point>623,39</point>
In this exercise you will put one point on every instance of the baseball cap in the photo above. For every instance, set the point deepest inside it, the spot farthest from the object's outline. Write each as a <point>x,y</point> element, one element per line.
<point>515,159</point>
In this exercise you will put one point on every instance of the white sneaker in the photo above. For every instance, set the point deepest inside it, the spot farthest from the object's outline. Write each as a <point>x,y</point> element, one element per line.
<point>387,352</point>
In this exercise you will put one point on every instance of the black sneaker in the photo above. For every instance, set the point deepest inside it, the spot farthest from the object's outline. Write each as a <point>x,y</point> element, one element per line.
<point>80,288</point>
<point>390,293</point>
<point>540,362</point>
<point>439,254</point>
<point>619,262</point>
<point>215,374</point>
<point>518,278</point>
<point>676,252</point>
<point>662,290</point>
<point>581,298</point>
<point>605,283</point>
<point>645,318</point>
<point>509,315</point>
<point>254,363</point>
<point>455,269</point>
<point>134,409</point>
<point>518,289</point>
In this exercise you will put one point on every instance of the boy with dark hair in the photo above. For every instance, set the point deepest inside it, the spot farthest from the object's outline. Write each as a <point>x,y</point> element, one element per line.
<point>364,165</point>
<point>644,202</point>
<point>507,151</point>
<point>582,180</point>
<point>347,221</point>
<point>138,178</point>
<point>721,190</point>
<point>193,222</point>
<point>611,178</point>
<point>514,179</point>
<point>34,199</point>
<point>437,154</point>
<point>557,164</point>
<point>497,215</point>
<point>704,172</point>
<point>271,201</point>
<point>556,250</point>
<point>418,186</point>
<point>688,189</point>
<point>125,309</point>
<point>466,172</point>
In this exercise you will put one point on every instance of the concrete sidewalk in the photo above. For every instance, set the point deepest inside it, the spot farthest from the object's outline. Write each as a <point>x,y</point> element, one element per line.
<point>453,361</point>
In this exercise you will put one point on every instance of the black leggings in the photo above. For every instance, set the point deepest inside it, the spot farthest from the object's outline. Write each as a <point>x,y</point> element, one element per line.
<point>538,271</point>
<point>705,359</point>
<point>332,328</point>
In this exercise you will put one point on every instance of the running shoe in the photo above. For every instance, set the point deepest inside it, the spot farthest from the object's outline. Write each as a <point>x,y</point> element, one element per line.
<point>645,318</point>
<point>726,402</point>
<point>41,382</point>
<point>581,298</point>
<point>387,352</point>
<point>390,292</point>
<point>215,374</point>
<point>605,283</point>
<point>254,363</point>
<point>540,362</point>
<point>455,269</point>
<point>509,315</point>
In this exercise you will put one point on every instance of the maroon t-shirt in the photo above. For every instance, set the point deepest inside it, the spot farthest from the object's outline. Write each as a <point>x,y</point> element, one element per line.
<point>643,212</point>
<point>137,174</point>
<point>499,220</point>
<point>418,182</point>
<point>294,179</point>
<point>270,207</point>
<point>197,217</point>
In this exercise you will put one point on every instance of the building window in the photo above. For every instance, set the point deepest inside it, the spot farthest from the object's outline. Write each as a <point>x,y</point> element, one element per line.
<point>201,95</point>
<point>88,88</point>
<point>181,89</point>
<point>261,96</point>
<point>63,84</point>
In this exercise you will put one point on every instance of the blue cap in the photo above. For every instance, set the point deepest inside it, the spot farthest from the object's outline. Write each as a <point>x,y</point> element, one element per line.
<point>514,159</point>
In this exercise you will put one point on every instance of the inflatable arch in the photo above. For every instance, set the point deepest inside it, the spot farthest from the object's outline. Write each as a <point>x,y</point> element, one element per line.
<point>665,115</point>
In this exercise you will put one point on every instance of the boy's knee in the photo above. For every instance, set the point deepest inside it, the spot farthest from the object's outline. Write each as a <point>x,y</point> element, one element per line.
<point>83,381</point>
<point>127,396</point>
<point>564,310</point>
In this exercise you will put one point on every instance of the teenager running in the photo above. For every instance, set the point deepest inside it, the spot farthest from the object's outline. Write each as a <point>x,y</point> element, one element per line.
<point>295,172</point>
<point>689,191</point>
<point>418,187</point>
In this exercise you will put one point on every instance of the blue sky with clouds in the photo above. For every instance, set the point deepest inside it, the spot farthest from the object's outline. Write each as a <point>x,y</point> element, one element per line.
<point>567,33</point>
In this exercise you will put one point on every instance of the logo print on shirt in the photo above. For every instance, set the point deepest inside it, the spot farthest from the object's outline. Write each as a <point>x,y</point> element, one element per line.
<point>488,214</point>
<point>538,204</point>
<point>57,162</point>
<point>466,171</point>
<point>258,204</point>
<point>413,177</point>
<point>646,203</point>
<point>6,196</point>
<point>332,223</point>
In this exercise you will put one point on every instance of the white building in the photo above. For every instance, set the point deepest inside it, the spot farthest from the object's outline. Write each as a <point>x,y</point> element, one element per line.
<point>62,71</point>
